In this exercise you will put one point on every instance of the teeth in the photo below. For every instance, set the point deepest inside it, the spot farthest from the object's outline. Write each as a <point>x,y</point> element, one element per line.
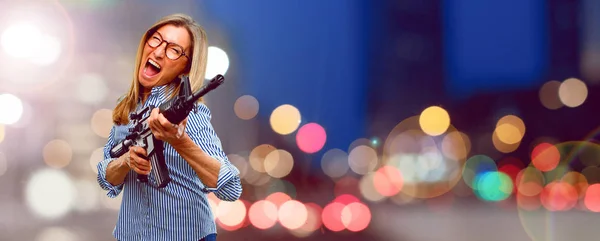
<point>153,63</point>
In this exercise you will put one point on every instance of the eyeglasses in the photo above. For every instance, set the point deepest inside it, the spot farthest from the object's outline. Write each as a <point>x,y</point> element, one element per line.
<point>173,51</point>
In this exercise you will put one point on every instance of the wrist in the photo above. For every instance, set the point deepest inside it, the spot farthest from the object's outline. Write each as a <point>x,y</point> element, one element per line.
<point>123,162</point>
<point>181,141</point>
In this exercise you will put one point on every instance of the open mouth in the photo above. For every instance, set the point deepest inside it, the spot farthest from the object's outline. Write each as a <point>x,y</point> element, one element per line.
<point>152,68</point>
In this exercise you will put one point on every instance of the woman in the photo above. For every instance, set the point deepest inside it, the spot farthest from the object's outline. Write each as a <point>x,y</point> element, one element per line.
<point>175,45</point>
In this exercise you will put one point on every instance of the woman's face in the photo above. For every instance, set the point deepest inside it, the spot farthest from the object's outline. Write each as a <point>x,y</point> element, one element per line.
<point>165,56</point>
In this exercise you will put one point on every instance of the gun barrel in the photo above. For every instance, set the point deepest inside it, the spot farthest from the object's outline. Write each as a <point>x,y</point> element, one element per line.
<point>120,149</point>
<point>212,84</point>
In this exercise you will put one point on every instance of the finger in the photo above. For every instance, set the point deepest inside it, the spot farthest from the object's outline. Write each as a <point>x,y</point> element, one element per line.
<point>180,131</point>
<point>143,165</point>
<point>141,171</point>
<point>153,128</point>
<point>155,112</point>
<point>152,119</point>
<point>184,122</point>
<point>152,116</point>
<point>156,131</point>
<point>137,159</point>
<point>156,125</point>
<point>166,124</point>
<point>132,153</point>
<point>139,151</point>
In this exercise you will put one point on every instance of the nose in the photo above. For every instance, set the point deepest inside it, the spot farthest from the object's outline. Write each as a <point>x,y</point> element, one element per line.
<point>159,51</point>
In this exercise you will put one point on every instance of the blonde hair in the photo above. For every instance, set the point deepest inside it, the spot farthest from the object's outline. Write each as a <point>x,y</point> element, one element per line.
<point>196,68</point>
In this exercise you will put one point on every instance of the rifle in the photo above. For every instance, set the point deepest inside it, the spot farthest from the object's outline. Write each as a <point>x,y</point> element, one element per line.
<point>174,110</point>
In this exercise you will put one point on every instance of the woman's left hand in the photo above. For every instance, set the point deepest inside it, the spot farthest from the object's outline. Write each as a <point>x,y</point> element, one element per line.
<point>165,130</point>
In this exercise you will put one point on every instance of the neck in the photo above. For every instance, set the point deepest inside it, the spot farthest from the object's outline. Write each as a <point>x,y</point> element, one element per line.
<point>144,93</point>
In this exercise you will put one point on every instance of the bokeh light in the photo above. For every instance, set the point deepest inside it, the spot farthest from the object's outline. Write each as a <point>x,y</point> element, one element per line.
<point>475,166</point>
<point>263,214</point>
<point>592,197</point>
<point>434,120</point>
<point>313,221</point>
<point>530,182</point>
<point>57,153</point>
<point>96,156</point>
<point>346,199</point>
<point>545,157</point>
<point>49,49</point>
<point>231,213</point>
<point>456,145</point>
<point>572,92</point>
<point>246,107</point>
<point>558,196</point>
<point>278,198</point>
<point>362,159</point>
<point>258,155</point>
<point>101,122</point>
<point>56,233</point>
<point>511,166</point>
<point>549,95</point>
<point>27,115</point>
<point>368,190</point>
<point>510,129</point>
<point>577,180</point>
<point>356,216</point>
<point>217,63</point>
<point>11,109</point>
<point>292,214</point>
<point>311,138</point>
<point>332,216</point>
<point>508,133</point>
<point>429,167</point>
<point>50,193</point>
<point>388,181</point>
<point>335,163</point>
<point>285,119</point>
<point>502,146</point>
<point>493,186</point>
<point>279,163</point>
<point>21,40</point>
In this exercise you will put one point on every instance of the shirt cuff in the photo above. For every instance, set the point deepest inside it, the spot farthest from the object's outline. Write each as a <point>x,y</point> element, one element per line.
<point>225,175</point>
<point>113,191</point>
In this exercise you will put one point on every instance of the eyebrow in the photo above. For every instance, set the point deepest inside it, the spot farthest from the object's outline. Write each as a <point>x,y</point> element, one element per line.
<point>161,37</point>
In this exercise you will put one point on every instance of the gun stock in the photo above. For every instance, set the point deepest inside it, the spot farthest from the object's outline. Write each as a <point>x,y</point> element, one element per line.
<point>175,110</point>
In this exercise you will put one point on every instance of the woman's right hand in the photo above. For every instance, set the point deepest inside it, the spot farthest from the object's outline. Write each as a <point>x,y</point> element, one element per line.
<point>137,160</point>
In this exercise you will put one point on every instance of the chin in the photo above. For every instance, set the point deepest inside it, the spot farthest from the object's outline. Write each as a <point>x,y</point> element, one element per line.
<point>145,82</point>
<point>148,82</point>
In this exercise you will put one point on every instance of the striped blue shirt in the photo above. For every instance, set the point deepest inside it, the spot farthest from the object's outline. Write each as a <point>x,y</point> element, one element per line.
<point>180,211</point>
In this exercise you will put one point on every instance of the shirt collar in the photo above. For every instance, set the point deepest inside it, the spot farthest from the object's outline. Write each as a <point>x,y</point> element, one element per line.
<point>161,92</point>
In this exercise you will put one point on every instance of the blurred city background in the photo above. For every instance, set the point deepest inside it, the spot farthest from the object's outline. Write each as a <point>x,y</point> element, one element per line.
<point>387,120</point>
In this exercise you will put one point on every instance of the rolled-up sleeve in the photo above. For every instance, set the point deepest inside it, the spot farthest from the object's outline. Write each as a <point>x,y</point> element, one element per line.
<point>201,131</point>
<point>113,191</point>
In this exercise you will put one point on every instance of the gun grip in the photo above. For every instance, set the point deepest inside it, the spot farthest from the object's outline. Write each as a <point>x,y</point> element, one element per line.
<point>141,177</point>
